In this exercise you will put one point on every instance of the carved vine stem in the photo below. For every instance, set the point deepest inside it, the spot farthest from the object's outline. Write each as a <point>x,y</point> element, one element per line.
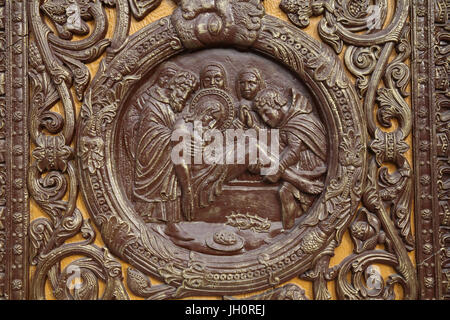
<point>367,58</point>
<point>369,100</point>
<point>57,64</point>
<point>100,262</point>
<point>121,30</point>
<point>59,75</point>
<point>366,255</point>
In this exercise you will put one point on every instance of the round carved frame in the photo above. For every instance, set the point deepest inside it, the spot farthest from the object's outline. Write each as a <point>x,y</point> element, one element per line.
<point>193,273</point>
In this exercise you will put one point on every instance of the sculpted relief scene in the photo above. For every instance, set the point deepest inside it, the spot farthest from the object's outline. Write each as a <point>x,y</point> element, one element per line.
<point>227,102</point>
<point>229,149</point>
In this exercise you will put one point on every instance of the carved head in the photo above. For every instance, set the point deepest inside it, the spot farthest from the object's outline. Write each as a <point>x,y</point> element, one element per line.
<point>213,76</point>
<point>166,74</point>
<point>249,83</point>
<point>181,86</point>
<point>271,106</point>
<point>211,113</point>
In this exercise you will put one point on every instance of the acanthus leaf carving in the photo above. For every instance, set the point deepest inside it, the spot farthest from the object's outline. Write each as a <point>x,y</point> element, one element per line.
<point>140,8</point>
<point>365,56</point>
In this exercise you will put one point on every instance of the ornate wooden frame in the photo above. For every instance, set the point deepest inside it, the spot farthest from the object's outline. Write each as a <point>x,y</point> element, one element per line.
<point>41,67</point>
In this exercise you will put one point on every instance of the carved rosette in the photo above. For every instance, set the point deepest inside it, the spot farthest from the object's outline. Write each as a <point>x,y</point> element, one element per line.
<point>14,206</point>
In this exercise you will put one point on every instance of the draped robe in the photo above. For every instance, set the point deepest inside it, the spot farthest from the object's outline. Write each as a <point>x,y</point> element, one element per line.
<point>155,180</point>
<point>303,148</point>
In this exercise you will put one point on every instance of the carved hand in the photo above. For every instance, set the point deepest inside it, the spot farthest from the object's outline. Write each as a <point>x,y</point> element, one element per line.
<point>312,187</point>
<point>272,178</point>
<point>245,116</point>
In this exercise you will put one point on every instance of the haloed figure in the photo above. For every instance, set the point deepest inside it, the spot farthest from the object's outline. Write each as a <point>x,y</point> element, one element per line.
<point>210,113</point>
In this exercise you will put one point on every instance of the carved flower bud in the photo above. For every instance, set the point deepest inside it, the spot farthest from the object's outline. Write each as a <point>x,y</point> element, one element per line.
<point>35,58</point>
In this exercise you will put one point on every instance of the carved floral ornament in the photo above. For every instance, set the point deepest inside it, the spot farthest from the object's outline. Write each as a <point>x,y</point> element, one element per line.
<point>199,229</point>
<point>318,67</point>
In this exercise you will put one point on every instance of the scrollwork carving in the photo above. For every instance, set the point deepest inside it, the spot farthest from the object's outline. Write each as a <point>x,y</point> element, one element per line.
<point>367,188</point>
<point>58,63</point>
<point>188,274</point>
<point>366,59</point>
<point>367,235</point>
<point>361,61</point>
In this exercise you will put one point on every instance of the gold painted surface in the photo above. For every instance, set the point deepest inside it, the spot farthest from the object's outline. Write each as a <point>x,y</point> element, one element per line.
<point>341,252</point>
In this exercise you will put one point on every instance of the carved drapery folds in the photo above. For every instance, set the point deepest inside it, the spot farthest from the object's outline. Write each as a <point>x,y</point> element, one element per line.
<point>362,100</point>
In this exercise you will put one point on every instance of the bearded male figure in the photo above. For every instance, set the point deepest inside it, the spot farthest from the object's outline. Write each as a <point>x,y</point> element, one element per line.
<point>158,91</point>
<point>157,182</point>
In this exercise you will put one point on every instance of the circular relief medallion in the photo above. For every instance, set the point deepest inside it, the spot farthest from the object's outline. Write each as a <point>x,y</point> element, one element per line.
<point>221,171</point>
<point>213,104</point>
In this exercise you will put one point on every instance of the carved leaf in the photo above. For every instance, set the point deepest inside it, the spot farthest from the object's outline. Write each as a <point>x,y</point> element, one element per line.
<point>392,106</point>
<point>51,153</point>
<point>327,31</point>
<point>115,228</point>
<point>87,231</point>
<point>327,69</point>
<point>154,245</point>
<point>140,8</point>
<point>138,283</point>
<point>298,12</point>
<point>89,287</point>
<point>396,191</point>
<point>40,232</point>
<point>91,265</point>
<point>170,273</point>
<point>81,75</point>
<point>69,226</point>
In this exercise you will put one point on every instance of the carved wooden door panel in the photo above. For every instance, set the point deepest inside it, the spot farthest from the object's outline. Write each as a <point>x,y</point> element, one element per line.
<point>229,149</point>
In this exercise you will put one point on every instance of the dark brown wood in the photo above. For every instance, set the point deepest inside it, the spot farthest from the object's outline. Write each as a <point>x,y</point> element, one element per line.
<point>430,101</point>
<point>14,204</point>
